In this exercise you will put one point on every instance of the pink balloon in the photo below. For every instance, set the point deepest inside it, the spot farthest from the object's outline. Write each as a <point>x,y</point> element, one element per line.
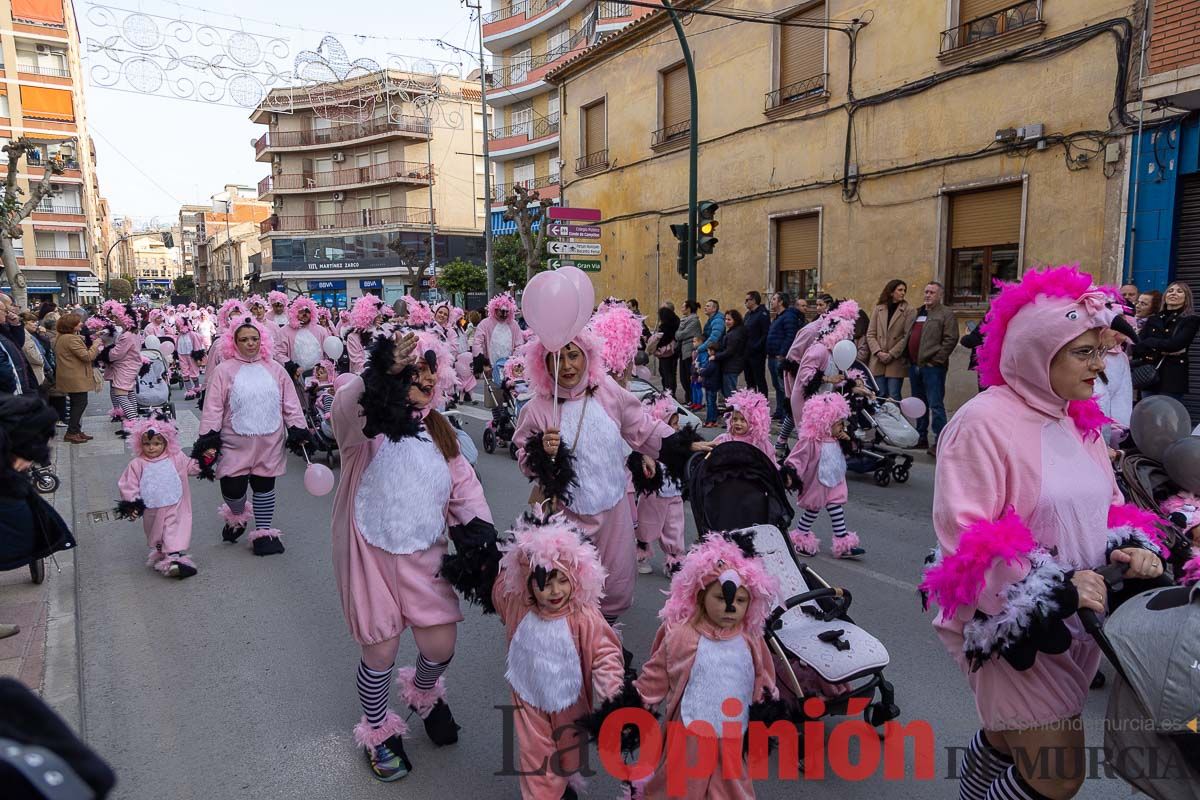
<point>585,290</point>
<point>166,348</point>
<point>551,307</point>
<point>912,407</point>
<point>318,480</point>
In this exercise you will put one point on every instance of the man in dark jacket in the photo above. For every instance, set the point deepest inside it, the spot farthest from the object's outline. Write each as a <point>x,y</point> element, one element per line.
<point>16,377</point>
<point>779,339</point>
<point>932,337</point>
<point>757,323</point>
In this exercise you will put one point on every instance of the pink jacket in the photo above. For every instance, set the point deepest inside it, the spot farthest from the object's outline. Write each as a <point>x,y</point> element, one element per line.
<point>483,336</point>
<point>126,360</point>
<point>286,350</point>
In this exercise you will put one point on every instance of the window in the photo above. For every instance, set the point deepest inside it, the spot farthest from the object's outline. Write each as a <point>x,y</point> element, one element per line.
<point>522,118</point>
<point>797,248</point>
<point>675,105</point>
<point>801,57</point>
<point>556,41</point>
<point>594,135</point>
<point>4,113</point>
<point>979,20</point>
<point>985,242</point>
<point>523,172</point>
<point>519,68</point>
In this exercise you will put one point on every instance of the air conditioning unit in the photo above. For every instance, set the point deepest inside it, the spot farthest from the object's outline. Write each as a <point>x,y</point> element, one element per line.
<point>43,49</point>
<point>339,157</point>
<point>339,197</point>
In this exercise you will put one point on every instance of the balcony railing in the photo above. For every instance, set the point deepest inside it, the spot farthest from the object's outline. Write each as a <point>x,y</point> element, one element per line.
<point>34,69</point>
<point>1006,20</point>
<point>518,71</point>
<point>592,161</point>
<point>41,22</point>
<point>671,133</point>
<point>61,253</point>
<point>364,218</point>
<point>502,191</point>
<point>525,8</point>
<point>530,129</point>
<point>800,90</point>
<point>36,159</point>
<point>58,208</point>
<point>613,9</point>
<point>376,173</point>
<point>343,133</point>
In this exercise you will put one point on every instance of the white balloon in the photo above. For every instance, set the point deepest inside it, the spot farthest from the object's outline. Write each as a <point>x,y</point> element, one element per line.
<point>152,342</point>
<point>844,353</point>
<point>332,347</point>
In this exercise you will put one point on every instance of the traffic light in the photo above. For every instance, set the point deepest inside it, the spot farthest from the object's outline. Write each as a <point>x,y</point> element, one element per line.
<point>168,239</point>
<point>680,232</point>
<point>706,238</point>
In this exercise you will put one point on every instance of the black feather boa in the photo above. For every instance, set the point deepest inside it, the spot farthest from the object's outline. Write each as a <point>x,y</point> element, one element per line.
<point>207,441</point>
<point>130,509</point>
<point>198,354</point>
<point>641,484</point>
<point>676,451</point>
<point>297,438</point>
<point>814,384</point>
<point>384,400</point>
<point>791,478</point>
<point>104,357</point>
<point>475,563</point>
<point>592,724</point>
<point>555,475</point>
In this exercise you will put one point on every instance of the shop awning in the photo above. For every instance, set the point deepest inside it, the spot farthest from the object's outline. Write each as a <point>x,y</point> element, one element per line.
<point>55,104</point>
<point>44,286</point>
<point>51,226</point>
<point>38,10</point>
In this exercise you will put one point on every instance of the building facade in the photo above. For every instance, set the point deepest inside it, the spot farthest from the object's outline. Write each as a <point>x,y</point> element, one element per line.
<point>364,175</point>
<point>190,218</point>
<point>154,265</point>
<point>233,214</point>
<point>1163,239</point>
<point>527,39</point>
<point>41,97</point>
<point>985,137</point>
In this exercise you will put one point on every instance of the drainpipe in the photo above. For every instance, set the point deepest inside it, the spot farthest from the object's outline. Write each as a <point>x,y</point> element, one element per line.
<point>1127,271</point>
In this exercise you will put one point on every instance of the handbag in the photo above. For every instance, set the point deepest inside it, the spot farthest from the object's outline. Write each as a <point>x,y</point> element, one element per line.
<point>1145,376</point>
<point>666,351</point>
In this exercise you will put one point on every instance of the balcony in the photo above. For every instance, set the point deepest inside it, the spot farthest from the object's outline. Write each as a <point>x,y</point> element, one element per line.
<point>809,91</point>
<point>1016,23</point>
<point>546,186</point>
<point>592,162</point>
<point>389,172</point>
<point>364,218</point>
<point>612,14</point>
<point>522,78</point>
<point>671,136</point>
<point>58,208</point>
<point>519,20</point>
<point>35,159</point>
<point>404,127</point>
<point>34,69</point>
<point>524,137</point>
<point>57,255</point>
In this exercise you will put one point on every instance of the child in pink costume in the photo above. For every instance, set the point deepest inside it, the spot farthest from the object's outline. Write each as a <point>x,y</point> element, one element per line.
<point>155,487</point>
<point>562,655</point>
<point>190,352</point>
<point>1025,507</point>
<point>660,504</point>
<point>816,468</point>
<point>404,487</point>
<point>302,341</point>
<point>710,662</point>
<point>250,410</point>
<point>598,421</point>
<point>749,421</point>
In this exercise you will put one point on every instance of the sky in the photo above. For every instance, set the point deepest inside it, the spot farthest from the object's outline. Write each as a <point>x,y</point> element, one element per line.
<point>156,153</point>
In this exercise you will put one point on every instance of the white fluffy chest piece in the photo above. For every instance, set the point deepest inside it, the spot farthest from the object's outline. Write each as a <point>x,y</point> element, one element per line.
<point>400,504</point>
<point>160,485</point>
<point>723,669</point>
<point>599,455</point>
<point>831,470</point>
<point>306,350</point>
<point>543,664</point>
<point>500,343</point>
<point>255,402</point>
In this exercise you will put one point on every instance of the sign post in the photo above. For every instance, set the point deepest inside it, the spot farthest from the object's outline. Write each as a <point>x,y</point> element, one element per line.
<point>567,234</point>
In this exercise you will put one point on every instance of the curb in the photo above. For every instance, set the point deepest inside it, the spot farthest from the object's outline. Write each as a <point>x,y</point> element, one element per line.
<point>61,686</point>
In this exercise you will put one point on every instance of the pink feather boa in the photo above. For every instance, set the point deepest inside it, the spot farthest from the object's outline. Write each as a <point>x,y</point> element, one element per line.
<point>821,411</point>
<point>556,544</point>
<point>1088,417</point>
<point>702,565</point>
<point>956,581</point>
<point>1129,515</point>
<point>1191,570</point>
<point>620,331</point>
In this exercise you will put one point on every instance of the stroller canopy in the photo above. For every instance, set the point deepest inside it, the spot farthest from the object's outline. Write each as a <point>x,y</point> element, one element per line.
<point>737,486</point>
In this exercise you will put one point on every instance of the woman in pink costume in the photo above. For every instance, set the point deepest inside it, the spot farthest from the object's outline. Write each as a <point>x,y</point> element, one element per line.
<point>562,655</point>
<point>445,318</point>
<point>155,326</point>
<point>250,411</point>
<point>811,352</point>
<point>498,336</point>
<point>301,343</point>
<point>816,469</point>
<point>598,421</point>
<point>1025,509</point>
<point>710,662</point>
<point>279,308</point>
<point>155,487</point>
<point>405,487</point>
<point>190,352</point>
<point>660,514</point>
<point>749,421</point>
<point>122,357</point>
<point>365,318</point>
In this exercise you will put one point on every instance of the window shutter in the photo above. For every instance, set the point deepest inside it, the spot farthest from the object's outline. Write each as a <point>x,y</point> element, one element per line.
<point>676,97</point>
<point>797,240</point>
<point>38,10</point>
<point>47,103</point>
<point>974,9</point>
<point>987,218</point>
<point>802,50</point>
<point>593,133</point>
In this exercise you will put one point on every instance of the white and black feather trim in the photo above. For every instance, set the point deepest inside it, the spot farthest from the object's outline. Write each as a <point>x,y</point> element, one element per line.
<point>1128,536</point>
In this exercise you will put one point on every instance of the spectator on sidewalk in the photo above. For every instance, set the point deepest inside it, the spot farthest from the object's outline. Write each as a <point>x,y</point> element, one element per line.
<point>730,353</point>
<point>801,308</point>
<point>932,337</point>
<point>714,326</point>
<point>1148,304</point>
<point>1129,293</point>
<point>16,376</point>
<point>35,349</point>
<point>689,330</point>
<point>76,375</point>
<point>886,338</point>
<point>1165,340</point>
<point>757,324</point>
<point>788,321</point>
<point>667,350</point>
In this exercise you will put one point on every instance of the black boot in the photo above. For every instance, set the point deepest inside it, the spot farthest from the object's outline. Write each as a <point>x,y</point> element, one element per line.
<point>440,726</point>
<point>231,533</point>
<point>267,546</point>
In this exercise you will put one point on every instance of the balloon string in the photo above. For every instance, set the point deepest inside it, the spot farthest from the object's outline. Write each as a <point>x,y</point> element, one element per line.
<point>557,412</point>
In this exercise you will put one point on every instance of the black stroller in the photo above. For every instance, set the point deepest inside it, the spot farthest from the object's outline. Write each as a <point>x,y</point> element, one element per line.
<point>818,649</point>
<point>875,426</point>
<point>499,432</point>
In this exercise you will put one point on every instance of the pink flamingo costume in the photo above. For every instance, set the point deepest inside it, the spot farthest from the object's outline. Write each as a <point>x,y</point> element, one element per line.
<point>837,326</point>
<point>660,513</point>
<point>495,340</point>
<point>157,490</point>
<point>301,344</point>
<point>362,321</point>
<point>755,407</point>
<point>818,465</point>
<point>559,663</point>
<point>1024,495</point>
<point>695,668</point>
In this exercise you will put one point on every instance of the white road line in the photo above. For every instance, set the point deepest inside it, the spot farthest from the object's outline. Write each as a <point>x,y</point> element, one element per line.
<point>473,413</point>
<point>870,573</point>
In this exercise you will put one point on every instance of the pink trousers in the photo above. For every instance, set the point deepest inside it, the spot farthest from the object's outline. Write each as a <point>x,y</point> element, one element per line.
<point>612,533</point>
<point>550,754</point>
<point>661,519</point>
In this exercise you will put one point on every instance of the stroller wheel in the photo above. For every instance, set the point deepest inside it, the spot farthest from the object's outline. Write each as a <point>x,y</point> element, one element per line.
<point>877,714</point>
<point>900,474</point>
<point>512,450</point>
<point>883,476</point>
<point>489,441</point>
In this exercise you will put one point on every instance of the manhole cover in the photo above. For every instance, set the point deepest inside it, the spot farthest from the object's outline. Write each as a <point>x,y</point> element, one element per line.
<point>99,516</point>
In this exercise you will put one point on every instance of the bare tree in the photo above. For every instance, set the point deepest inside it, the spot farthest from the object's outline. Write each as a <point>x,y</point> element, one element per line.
<point>408,258</point>
<point>526,207</point>
<point>13,210</point>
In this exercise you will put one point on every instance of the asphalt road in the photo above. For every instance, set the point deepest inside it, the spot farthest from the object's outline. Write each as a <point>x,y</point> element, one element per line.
<point>239,683</point>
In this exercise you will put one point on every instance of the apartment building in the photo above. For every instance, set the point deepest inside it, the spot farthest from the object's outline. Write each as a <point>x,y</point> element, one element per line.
<point>41,96</point>
<point>154,265</point>
<point>190,218</point>
<point>233,215</point>
<point>527,39</point>
<point>363,175</point>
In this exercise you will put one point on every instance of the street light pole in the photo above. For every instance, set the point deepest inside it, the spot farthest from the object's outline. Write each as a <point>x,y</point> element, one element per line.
<point>693,149</point>
<point>487,161</point>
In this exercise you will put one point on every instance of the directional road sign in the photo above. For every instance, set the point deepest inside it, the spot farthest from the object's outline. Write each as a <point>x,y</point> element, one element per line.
<point>560,212</point>
<point>573,249</point>
<point>574,231</point>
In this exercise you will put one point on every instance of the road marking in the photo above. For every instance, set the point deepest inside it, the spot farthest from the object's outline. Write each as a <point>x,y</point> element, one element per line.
<point>870,573</point>
<point>473,413</point>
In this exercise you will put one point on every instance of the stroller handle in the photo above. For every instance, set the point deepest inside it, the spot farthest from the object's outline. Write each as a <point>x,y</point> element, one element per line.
<point>841,598</point>
<point>1114,579</point>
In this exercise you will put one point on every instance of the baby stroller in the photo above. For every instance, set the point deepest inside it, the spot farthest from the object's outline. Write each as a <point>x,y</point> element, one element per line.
<point>818,649</point>
<point>499,432</point>
<point>153,385</point>
<point>316,409</point>
<point>874,427</point>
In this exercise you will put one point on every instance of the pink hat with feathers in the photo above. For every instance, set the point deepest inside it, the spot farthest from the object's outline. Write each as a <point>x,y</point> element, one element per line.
<point>839,325</point>
<point>619,331</point>
<point>755,407</point>
<point>256,300</point>
<point>555,544</point>
<point>277,297</point>
<point>505,301</point>
<point>663,408</point>
<point>303,301</point>
<point>707,562</point>
<point>364,312</point>
<point>157,423</point>
<point>419,312</point>
<point>820,413</point>
<point>539,375</point>
<point>266,347</point>
<point>230,308</point>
